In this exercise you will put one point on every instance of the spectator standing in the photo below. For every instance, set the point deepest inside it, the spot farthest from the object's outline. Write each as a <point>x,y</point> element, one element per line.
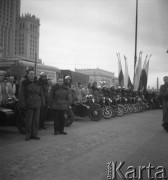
<point>79,93</point>
<point>11,87</point>
<point>85,91</point>
<point>31,99</point>
<point>3,88</point>
<point>59,101</point>
<point>44,84</point>
<point>164,95</point>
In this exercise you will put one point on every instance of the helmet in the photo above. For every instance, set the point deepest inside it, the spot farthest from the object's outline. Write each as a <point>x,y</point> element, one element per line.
<point>30,68</point>
<point>68,77</point>
<point>94,84</point>
<point>43,74</point>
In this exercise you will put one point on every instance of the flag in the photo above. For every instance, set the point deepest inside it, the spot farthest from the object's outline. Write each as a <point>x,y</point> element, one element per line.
<point>138,73</point>
<point>144,74</point>
<point>127,80</point>
<point>120,73</point>
<point>126,75</point>
<point>130,85</point>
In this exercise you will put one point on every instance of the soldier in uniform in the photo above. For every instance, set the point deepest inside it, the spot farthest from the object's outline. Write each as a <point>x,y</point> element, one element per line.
<point>164,95</point>
<point>59,101</point>
<point>31,99</point>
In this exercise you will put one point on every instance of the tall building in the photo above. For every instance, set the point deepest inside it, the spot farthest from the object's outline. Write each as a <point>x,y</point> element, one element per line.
<point>9,14</point>
<point>27,37</point>
<point>19,35</point>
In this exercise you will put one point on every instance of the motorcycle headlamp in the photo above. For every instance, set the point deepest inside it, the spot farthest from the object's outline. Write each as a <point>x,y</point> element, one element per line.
<point>93,100</point>
<point>88,107</point>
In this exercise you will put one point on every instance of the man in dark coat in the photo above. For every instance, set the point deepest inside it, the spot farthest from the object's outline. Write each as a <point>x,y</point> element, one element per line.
<point>43,82</point>
<point>31,99</point>
<point>164,95</point>
<point>59,100</point>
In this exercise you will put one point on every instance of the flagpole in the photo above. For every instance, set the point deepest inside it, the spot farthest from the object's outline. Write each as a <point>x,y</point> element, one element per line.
<point>35,65</point>
<point>136,27</point>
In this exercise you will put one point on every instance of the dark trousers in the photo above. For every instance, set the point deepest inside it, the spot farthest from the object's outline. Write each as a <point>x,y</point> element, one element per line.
<point>32,122</point>
<point>165,112</point>
<point>43,116</point>
<point>58,116</point>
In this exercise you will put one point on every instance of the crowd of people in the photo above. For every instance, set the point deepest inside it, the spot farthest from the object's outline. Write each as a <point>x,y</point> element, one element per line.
<point>35,95</point>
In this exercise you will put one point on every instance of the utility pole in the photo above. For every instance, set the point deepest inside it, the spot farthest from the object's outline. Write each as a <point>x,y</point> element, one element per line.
<point>35,65</point>
<point>136,28</point>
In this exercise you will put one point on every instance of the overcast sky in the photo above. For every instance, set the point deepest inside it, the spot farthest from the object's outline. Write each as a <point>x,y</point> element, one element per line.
<point>89,33</point>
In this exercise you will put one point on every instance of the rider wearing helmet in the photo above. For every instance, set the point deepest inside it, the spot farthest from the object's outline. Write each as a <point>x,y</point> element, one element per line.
<point>43,82</point>
<point>68,81</point>
<point>95,91</point>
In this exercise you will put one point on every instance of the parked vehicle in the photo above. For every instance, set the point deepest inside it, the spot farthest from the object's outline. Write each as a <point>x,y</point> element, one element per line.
<point>117,109</point>
<point>12,114</point>
<point>88,108</point>
<point>106,109</point>
<point>68,117</point>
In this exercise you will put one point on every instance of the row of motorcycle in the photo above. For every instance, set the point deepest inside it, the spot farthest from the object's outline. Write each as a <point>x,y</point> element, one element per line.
<point>106,108</point>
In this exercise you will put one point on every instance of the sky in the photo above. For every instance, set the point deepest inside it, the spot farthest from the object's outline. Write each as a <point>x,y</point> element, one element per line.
<point>88,34</point>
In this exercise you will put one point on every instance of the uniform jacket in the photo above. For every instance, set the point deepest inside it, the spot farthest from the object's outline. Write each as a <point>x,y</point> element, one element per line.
<point>30,94</point>
<point>59,97</point>
<point>164,92</point>
<point>45,87</point>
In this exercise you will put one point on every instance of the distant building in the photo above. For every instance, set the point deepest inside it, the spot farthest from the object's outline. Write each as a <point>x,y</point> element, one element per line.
<point>99,75</point>
<point>76,76</point>
<point>9,15</point>
<point>19,35</point>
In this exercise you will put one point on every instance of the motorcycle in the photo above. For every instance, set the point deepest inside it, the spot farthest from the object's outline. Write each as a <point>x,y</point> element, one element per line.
<point>117,109</point>
<point>107,110</point>
<point>68,117</point>
<point>88,107</point>
<point>12,114</point>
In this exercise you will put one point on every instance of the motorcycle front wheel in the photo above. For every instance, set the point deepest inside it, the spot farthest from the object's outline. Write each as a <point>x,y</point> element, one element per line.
<point>120,111</point>
<point>107,112</point>
<point>68,117</point>
<point>95,113</point>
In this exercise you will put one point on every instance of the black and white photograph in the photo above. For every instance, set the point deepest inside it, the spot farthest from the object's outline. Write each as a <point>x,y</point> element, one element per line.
<point>83,89</point>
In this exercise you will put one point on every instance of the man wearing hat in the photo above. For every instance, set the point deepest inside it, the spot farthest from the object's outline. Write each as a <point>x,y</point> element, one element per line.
<point>164,95</point>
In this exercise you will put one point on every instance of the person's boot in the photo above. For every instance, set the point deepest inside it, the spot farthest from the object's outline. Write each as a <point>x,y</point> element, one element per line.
<point>56,133</point>
<point>62,132</point>
<point>165,126</point>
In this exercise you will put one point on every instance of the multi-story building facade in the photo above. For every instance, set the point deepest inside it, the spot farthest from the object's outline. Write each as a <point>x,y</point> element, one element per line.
<point>19,35</point>
<point>99,75</point>
<point>27,37</point>
<point>9,14</point>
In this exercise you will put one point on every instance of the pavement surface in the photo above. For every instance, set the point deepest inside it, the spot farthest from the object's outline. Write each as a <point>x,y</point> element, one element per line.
<point>84,154</point>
